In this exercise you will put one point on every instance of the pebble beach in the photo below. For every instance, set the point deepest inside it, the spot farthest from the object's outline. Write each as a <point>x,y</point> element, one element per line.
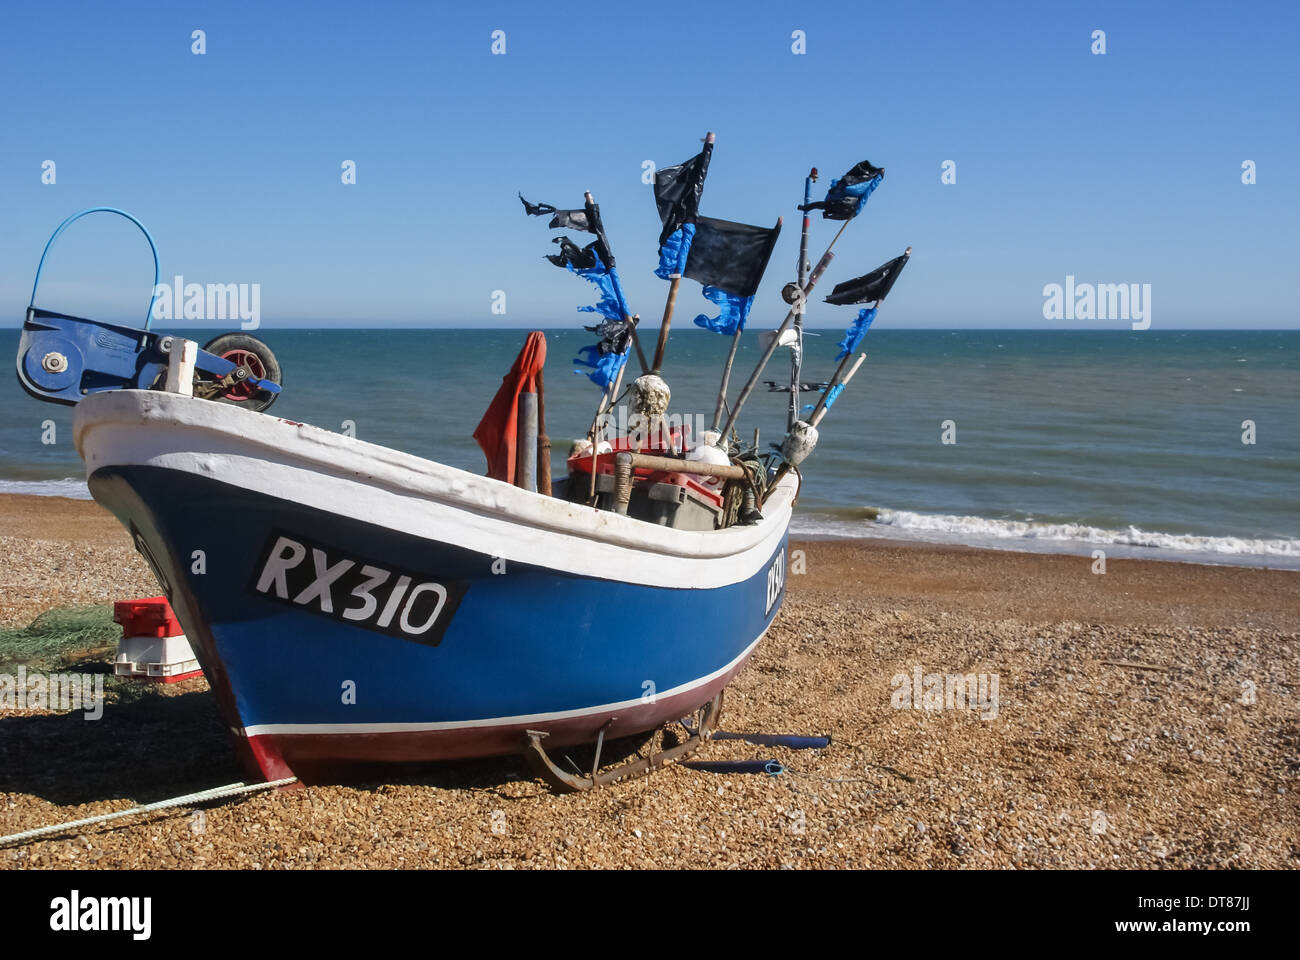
<point>1144,717</point>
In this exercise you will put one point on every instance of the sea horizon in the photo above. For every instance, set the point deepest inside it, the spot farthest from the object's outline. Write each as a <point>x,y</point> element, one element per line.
<point>1061,441</point>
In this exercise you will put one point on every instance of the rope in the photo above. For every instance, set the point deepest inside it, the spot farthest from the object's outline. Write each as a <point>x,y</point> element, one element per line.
<point>216,793</point>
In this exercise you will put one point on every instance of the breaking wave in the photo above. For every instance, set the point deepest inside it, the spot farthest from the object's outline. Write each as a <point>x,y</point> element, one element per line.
<point>1037,536</point>
<point>1082,533</point>
<point>69,487</point>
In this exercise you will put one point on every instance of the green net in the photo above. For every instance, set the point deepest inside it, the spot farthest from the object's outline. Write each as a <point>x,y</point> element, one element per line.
<point>55,637</point>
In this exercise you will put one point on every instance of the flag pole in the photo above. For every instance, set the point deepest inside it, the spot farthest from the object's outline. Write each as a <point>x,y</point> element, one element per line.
<point>814,420</point>
<point>821,403</point>
<point>796,355</point>
<point>801,294</point>
<point>666,323</point>
<point>731,357</point>
<point>605,398</point>
<point>676,280</point>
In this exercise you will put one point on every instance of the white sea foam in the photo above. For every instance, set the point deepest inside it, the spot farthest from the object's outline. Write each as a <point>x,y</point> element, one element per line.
<point>1034,536</point>
<point>69,487</point>
<point>1081,533</point>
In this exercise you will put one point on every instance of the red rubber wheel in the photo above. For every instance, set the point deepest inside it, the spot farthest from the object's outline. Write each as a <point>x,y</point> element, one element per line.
<point>244,391</point>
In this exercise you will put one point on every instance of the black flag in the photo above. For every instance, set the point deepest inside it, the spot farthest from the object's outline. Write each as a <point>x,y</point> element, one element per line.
<point>571,220</point>
<point>591,222</point>
<point>615,335</point>
<point>678,190</point>
<point>536,209</point>
<point>562,219</point>
<point>586,220</point>
<point>870,286</point>
<point>730,256</point>
<point>571,255</point>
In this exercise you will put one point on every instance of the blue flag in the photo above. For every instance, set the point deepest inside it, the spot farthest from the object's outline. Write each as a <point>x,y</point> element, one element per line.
<point>675,251</point>
<point>607,357</point>
<point>605,366</point>
<point>734,311</point>
<point>853,336</point>
<point>595,264</point>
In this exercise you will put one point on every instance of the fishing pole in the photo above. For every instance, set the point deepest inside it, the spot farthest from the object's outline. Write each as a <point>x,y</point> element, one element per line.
<point>606,402</point>
<point>800,294</point>
<point>817,416</point>
<point>822,403</point>
<point>807,439</point>
<point>796,353</point>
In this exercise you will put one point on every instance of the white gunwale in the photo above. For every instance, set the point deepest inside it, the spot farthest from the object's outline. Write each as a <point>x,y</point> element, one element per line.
<point>405,493</point>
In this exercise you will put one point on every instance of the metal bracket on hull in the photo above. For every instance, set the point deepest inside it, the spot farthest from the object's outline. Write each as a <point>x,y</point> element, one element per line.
<point>563,782</point>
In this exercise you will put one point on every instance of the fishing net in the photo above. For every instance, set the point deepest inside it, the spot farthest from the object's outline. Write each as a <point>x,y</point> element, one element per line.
<point>56,636</point>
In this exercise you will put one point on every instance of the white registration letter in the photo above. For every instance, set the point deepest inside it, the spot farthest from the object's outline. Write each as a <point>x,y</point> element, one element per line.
<point>286,555</point>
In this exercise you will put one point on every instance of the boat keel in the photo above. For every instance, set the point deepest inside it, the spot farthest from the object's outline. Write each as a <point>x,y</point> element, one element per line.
<point>545,768</point>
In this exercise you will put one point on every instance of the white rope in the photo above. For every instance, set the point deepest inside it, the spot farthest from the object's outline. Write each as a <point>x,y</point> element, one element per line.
<point>216,793</point>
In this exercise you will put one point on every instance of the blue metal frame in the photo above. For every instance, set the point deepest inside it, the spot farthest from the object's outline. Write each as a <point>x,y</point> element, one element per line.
<point>98,356</point>
<point>148,317</point>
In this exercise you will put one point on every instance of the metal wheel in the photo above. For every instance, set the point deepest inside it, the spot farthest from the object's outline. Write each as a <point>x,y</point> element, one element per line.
<point>250,352</point>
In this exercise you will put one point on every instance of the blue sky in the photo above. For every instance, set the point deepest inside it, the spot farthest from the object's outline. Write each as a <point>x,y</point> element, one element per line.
<point>1122,168</point>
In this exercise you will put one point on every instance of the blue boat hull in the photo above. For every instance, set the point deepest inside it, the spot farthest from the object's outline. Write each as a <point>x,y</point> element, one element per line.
<point>454,654</point>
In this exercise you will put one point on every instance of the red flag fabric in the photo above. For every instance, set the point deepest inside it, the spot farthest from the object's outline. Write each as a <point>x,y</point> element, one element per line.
<point>497,432</point>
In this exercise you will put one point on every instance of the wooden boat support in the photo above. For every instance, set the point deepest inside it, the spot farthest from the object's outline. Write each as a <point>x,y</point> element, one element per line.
<point>626,463</point>
<point>544,767</point>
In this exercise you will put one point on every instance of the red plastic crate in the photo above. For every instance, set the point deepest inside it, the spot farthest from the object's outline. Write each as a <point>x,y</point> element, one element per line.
<point>150,617</point>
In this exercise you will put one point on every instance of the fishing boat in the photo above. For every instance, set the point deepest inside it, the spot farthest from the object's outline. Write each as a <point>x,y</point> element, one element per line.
<point>349,602</point>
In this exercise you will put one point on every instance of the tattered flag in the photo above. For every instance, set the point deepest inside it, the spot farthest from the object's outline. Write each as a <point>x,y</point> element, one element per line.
<point>848,195</point>
<point>678,190</point>
<point>729,259</point>
<point>677,195</point>
<point>536,209</point>
<point>594,263</point>
<point>852,337</point>
<point>607,356</point>
<point>870,286</point>
<point>573,256</point>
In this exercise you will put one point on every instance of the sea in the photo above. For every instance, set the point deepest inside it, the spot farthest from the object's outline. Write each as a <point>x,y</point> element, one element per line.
<point>1177,445</point>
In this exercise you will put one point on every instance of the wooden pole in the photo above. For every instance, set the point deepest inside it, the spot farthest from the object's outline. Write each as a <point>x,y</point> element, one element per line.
<point>667,322</point>
<point>606,398</point>
<point>771,347</point>
<point>821,404</point>
<point>526,455</point>
<point>543,441</point>
<point>676,279</point>
<point>796,354</point>
<point>818,415</point>
<point>636,342</point>
<point>731,359</point>
<point>726,378</point>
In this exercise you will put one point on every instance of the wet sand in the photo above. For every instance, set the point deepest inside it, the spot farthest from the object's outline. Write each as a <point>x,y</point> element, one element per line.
<point>1145,717</point>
